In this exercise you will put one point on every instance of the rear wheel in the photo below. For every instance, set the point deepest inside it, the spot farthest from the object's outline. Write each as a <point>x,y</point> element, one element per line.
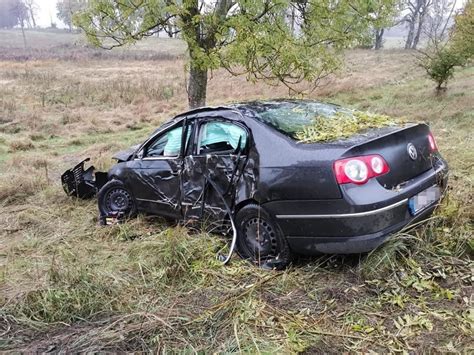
<point>114,198</point>
<point>260,240</point>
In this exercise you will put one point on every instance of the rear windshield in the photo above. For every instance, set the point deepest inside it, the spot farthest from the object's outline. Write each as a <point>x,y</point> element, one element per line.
<point>290,117</point>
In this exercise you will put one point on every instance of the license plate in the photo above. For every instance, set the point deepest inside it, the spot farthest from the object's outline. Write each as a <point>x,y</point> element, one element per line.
<point>424,199</point>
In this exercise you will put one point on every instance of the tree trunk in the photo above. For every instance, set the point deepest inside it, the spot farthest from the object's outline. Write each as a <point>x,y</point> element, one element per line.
<point>418,31</point>
<point>197,87</point>
<point>417,37</point>
<point>292,19</point>
<point>379,38</point>
<point>411,34</point>
<point>198,42</point>
<point>23,32</point>
<point>32,16</point>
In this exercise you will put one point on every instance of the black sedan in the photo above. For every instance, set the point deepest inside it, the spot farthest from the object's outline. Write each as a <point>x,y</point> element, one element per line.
<point>243,163</point>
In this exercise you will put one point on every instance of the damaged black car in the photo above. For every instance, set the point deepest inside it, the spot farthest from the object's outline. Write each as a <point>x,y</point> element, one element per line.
<point>251,164</point>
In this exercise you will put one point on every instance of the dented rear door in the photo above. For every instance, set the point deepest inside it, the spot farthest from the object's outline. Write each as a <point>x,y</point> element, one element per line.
<point>211,173</point>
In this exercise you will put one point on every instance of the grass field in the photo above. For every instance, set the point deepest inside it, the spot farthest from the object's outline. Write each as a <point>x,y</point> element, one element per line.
<point>67,284</point>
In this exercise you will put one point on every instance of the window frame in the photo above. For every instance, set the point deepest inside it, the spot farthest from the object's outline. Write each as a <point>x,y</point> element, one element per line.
<point>186,124</point>
<point>205,120</point>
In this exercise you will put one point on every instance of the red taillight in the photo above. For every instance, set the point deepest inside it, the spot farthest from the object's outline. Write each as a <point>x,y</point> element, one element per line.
<point>433,145</point>
<point>358,170</point>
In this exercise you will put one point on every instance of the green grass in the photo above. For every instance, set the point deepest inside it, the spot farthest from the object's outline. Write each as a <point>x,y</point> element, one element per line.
<point>149,286</point>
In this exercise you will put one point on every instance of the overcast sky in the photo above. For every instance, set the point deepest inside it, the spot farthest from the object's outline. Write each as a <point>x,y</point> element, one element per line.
<point>46,11</point>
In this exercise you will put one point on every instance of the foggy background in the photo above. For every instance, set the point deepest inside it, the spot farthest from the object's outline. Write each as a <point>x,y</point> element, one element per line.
<point>46,13</point>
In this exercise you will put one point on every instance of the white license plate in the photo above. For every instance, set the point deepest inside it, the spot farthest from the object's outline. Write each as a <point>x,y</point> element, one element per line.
<point>423,199</point>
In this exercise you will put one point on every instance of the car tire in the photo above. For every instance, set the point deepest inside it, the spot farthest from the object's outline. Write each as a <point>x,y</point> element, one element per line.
<point>114,198</point>
<point>260,239</point>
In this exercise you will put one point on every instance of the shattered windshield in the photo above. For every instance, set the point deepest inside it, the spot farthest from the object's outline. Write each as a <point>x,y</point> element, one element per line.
<point>290,117</point>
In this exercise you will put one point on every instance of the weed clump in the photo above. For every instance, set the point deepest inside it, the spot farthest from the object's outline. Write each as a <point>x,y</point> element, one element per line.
<point>386,259</point>
<point>74,293</point>
<point>174,257</point>
<point>342,125</point>
<point>14,188</point>
<point>20,145</point>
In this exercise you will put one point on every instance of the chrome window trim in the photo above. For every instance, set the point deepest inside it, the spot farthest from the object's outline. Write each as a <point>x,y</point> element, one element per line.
<point>158,158</point>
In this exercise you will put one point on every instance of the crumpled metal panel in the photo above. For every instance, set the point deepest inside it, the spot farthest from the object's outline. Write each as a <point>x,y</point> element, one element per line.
<point>193,186</point>
<point>82,183</point>
<point>246,186</point>
<point>156,181</point>
<point>234,176</point>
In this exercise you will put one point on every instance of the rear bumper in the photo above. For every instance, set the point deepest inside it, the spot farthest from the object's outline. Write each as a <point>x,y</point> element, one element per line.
<point>353,244</point>
<point>361,221</point>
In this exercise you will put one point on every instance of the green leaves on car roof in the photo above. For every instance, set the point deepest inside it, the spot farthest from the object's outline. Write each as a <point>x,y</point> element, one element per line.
<point>342,125</point>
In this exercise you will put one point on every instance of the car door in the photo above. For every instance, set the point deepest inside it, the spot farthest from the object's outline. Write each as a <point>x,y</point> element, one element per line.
<point>156,181</point>
<point>215,163</point>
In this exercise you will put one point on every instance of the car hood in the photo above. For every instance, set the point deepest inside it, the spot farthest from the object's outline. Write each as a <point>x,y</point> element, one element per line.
<point>126,154</point>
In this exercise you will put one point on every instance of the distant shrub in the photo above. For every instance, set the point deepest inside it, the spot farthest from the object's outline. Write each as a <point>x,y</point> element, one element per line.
<point>440,65</point>
<point>441,58</point>
<point>167,93</point>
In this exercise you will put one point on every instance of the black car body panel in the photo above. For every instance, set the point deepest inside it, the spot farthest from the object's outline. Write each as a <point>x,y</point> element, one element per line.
<point>125,155</point>
<point>368,212</point>
<point>294,182</point>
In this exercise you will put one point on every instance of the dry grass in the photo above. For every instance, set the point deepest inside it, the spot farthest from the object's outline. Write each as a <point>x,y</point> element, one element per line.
<point>149,286</point>
<point>61,45</point>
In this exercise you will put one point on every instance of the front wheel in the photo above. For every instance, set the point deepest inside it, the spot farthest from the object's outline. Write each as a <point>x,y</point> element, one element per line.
<point>115,198</point>
<point>260,240</point>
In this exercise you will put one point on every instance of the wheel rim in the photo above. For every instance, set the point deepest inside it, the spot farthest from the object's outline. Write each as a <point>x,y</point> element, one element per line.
<point>260,239</point>
<point>119,200</point>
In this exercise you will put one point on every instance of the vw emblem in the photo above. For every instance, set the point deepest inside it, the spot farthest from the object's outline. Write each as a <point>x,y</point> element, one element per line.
<point>412,151</point>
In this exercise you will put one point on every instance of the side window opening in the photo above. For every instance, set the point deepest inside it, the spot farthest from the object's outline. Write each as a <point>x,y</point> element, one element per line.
<point>166,145</point>
<point>221,137</point>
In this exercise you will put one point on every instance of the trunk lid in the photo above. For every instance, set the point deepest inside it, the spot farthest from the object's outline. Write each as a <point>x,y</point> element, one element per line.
<point>393,145</point>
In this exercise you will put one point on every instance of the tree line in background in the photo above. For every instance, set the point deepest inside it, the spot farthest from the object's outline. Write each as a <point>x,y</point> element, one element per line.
<point>23,13</point>
<point>286,41</point>
<point>279,41</point>
<point>18,13</point>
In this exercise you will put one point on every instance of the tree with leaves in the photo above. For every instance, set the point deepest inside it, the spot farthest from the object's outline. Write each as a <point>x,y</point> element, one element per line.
<point>384,16</point>
<point>463,32</point>
<point>444,55</point>
<point>246,37</point>
<point>13,13</point>
<point>67,8</point>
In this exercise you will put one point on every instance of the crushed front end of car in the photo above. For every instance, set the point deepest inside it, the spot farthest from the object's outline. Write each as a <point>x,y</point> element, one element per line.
<point>83,183</point>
